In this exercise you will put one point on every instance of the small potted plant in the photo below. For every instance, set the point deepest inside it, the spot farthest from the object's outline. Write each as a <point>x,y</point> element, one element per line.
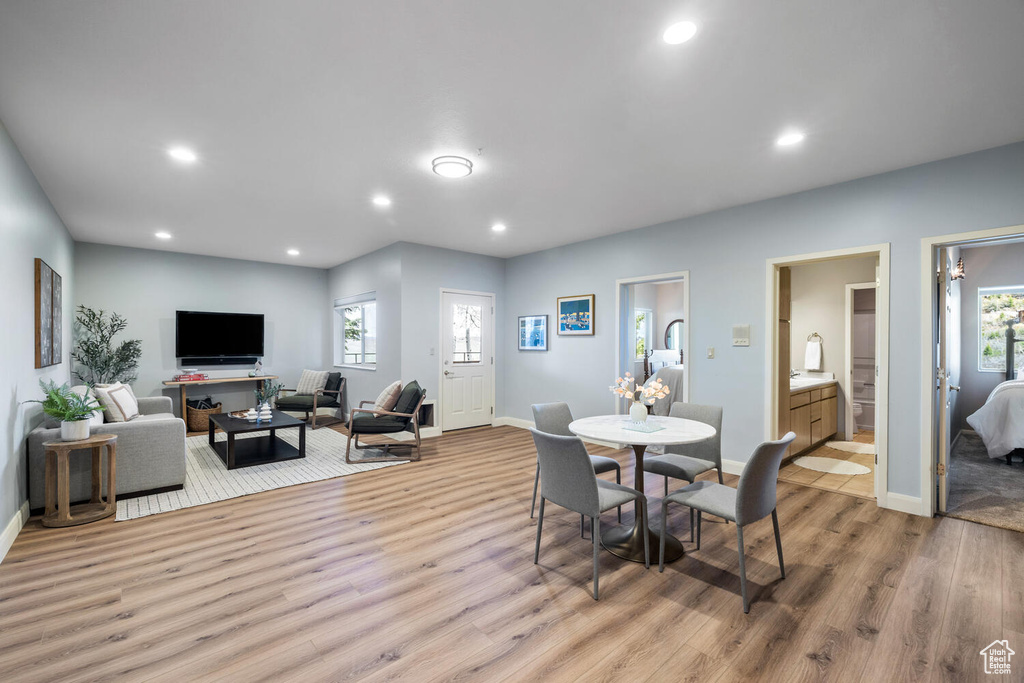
<point>72,410</point>
<point>264,395</point>
<point>640,395</point>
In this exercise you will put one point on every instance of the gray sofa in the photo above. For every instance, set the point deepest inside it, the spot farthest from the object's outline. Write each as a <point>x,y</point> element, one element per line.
<point>150,454</point>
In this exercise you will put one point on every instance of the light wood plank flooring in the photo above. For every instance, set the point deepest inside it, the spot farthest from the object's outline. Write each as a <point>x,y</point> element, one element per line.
<point>424,572</point>
<point>862,485</point>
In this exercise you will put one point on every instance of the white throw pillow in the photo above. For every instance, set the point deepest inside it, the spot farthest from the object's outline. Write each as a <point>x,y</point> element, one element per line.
<point>118,401</point>
<point>389,397</point>
<point>311,382</point>
<point>96,419</point>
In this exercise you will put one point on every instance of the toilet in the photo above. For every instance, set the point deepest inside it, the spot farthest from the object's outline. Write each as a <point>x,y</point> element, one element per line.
<point>858,410</point>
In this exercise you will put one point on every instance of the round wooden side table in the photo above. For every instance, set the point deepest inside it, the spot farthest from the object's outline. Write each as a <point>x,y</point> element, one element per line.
<point>59,511</point>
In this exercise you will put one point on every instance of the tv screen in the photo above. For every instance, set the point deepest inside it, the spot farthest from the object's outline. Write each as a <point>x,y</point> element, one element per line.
<point>217,335</point>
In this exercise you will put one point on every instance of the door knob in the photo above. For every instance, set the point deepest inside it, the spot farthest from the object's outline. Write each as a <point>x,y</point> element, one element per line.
<point>446,373</point>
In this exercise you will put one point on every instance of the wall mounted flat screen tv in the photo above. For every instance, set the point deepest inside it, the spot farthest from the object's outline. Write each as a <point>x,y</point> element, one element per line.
<point>201,334</point>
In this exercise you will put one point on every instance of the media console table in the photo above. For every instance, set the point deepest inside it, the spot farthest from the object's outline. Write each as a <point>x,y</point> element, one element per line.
<point>214,380</point>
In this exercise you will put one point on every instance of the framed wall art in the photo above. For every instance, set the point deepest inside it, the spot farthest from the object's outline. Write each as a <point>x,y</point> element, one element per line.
<point>533,333</point>
<point>49,316</point>
<point>576,315</point>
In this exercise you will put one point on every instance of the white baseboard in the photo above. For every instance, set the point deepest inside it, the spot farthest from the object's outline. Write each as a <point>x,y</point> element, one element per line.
<point>513,422</point>
<point>12,529</point>
<point>733,466</point>
<point>902,503</point>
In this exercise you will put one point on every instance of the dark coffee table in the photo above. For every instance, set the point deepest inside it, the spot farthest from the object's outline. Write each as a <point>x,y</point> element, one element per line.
<point>257,450</point>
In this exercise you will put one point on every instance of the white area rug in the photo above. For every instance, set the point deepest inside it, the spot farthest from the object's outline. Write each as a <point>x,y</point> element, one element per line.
<point>852,447</point>
<point>831,465</point>
<point>207,480</point>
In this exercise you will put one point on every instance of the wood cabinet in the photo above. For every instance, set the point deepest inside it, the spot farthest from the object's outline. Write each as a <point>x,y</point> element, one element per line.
<point>813,416</point>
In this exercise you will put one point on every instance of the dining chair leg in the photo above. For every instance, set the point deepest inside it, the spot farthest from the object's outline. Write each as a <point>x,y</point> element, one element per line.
<point>618,480</point>
<point>661,542</point>
<point>691,525</point>
<point>666,486</point>
<point>723,483</point>
<point>699,515</point>
<point>743,570</point>
<point>536,483</point>
<point>646,526</point>
<point>540,525</point>
<point>583,534</point>
<point>597,548</point>
<point>778,542</point>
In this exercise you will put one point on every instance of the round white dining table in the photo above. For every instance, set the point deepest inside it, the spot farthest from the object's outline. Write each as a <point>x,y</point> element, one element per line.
<point>624,541</point>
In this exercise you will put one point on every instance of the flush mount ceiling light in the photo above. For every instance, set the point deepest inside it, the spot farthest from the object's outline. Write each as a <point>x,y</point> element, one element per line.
<point>498,227</point>
<point>182,155</point>
<point>788,139</point>
<point>452,167</point>
<point>381,200</point>
<point>293,252</point>
<point>163,235</point>
<point>679,33</point>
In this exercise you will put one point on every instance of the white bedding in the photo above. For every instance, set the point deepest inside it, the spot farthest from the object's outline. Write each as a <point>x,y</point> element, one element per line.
<point>1000,422</point>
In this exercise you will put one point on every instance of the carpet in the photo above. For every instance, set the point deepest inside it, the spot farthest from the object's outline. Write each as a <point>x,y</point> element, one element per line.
<point>207,480</point>
<point>852,447</point>
<point>831,465</point>
<point>983,489</point>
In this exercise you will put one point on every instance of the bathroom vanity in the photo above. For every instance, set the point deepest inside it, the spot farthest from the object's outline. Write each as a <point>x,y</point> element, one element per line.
<point>813,412</point>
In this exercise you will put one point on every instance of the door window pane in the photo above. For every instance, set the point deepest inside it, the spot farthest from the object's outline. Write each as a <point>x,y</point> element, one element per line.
<point>466,321</point>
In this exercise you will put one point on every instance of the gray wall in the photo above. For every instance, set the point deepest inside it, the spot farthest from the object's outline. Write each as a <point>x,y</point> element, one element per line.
<point>148,286</point>
<point>30,229</point>
<point>985,267</point>
<point>725,252</point>
<point>819,305</point>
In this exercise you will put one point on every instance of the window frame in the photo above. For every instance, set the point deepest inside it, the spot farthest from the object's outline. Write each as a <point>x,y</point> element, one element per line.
<point>982,293</point>
<point>341,306</point>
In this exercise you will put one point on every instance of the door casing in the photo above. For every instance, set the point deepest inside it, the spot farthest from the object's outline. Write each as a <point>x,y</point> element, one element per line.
<point>439,410</point>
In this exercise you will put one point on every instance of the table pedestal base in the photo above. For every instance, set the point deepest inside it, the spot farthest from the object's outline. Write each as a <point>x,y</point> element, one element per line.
<point>627,543</point>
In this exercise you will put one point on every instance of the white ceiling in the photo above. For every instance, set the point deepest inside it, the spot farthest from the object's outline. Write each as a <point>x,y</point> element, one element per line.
<point>589,124</point>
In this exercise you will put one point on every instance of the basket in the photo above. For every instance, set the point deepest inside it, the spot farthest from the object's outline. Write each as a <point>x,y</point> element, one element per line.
<point>199,418</point>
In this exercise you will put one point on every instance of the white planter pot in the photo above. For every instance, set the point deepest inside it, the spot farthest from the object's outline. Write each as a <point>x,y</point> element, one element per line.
<point>638,412</point>
<point>74,431</point>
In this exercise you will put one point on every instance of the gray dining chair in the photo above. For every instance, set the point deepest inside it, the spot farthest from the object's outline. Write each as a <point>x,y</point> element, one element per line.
<point>568,480</point>
<point>554,418</point>
<point>752,500</point>
<point>688,461</point>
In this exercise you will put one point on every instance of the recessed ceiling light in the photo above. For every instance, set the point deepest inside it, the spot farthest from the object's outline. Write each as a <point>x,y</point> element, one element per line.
<point>163,235</point>
<point>498,227</point>
<point>793,137</point>
<point>452,167</point>
<point>182,154</point>
<point>293,252</point>
<point>381,200</point>
<point>680,32</point>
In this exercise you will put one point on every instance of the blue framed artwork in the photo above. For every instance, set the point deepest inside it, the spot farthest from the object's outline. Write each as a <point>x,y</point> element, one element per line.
<point>576,315</point>
<point>533,333</point>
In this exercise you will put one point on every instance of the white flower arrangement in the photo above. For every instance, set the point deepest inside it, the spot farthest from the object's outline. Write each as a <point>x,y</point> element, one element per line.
<point>628,387</point>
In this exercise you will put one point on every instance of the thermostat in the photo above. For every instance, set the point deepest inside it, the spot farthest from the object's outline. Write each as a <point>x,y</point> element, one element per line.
<point>741,335</point>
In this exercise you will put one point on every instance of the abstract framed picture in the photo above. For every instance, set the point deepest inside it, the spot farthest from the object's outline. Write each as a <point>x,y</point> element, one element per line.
<point>576,315</point>
<point>49,307</point>
<point>533,333</point>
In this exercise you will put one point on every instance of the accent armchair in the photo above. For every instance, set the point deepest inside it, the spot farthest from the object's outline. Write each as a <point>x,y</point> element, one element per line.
<point>329,397</point>
<point>405,415</point>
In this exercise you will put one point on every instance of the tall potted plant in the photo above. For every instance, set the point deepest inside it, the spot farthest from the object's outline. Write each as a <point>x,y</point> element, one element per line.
<point>99,360</point>
<point>71,409</point>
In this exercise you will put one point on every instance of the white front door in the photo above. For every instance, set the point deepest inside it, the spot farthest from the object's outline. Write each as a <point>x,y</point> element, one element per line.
<point>467,361</point>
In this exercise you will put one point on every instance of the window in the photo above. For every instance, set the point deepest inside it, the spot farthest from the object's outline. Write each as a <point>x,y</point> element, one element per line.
<point>355,331</point>
<point>644,329</point>
<point>997,306</point>
<point>466,333</point>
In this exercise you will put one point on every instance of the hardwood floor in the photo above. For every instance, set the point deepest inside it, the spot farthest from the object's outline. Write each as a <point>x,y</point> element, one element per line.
<point>424,572</point>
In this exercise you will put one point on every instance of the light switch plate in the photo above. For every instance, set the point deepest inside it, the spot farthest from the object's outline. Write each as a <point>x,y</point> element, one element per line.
<point>741,335</point>
<point>711,352</point>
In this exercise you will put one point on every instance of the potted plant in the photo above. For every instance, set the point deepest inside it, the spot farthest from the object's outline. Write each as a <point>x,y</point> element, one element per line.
<point>72,410</point>
<point>265,393</point>
<point>640,395</point>
<point>100,359</point>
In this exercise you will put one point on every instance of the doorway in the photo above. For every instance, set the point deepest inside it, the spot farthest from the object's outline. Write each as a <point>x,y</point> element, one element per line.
<point>966,364</point>
<point>467,359</point>
<point>653,333</point>
<point>808,387</point>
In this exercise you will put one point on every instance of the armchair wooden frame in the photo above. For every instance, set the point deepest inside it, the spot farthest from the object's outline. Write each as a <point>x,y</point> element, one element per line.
<point>414,416</point>
<point>316,397</point>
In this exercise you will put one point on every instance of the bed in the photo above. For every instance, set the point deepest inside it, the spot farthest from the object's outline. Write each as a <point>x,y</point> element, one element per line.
<point>1000,422</point>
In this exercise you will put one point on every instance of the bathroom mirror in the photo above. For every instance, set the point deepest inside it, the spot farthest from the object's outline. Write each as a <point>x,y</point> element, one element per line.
<point>674,335</point>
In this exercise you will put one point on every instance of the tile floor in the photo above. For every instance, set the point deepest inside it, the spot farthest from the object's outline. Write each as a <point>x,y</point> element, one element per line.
<point>860,485</point>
